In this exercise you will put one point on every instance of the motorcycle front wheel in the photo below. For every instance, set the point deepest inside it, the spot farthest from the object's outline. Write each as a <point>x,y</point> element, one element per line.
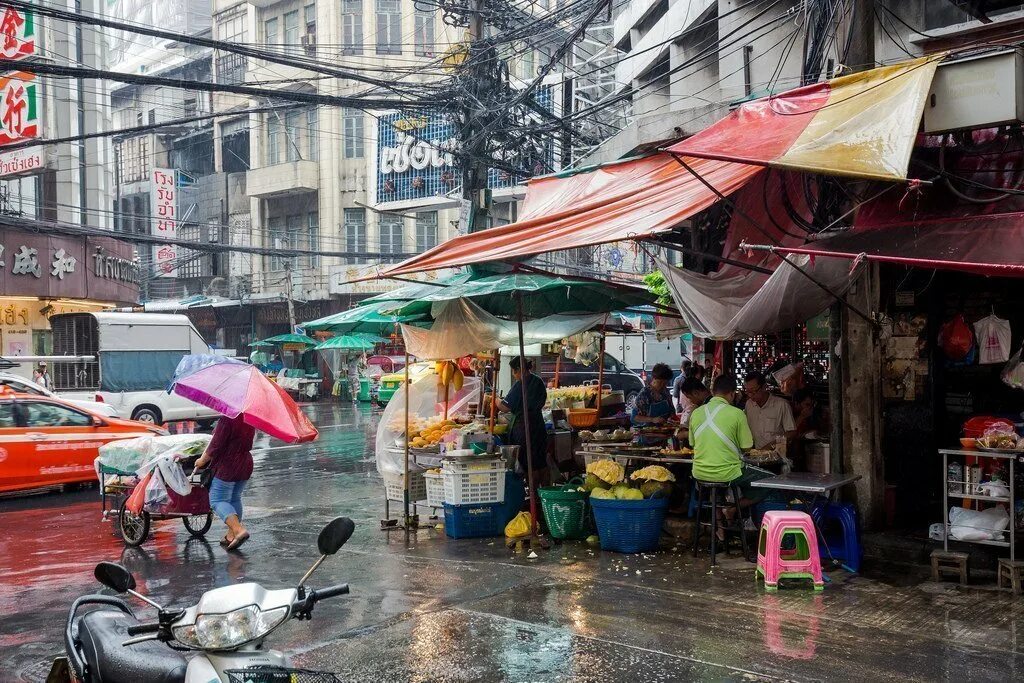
<point>134,527</point>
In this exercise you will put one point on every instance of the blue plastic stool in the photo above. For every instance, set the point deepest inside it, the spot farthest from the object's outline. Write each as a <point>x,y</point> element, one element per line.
<point>845,547</point>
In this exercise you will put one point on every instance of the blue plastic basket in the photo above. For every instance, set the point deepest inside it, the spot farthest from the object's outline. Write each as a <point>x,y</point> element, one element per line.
<point>475,521</point>
<point>629,526</point>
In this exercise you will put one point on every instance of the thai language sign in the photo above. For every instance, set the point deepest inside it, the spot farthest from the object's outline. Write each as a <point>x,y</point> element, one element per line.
<point>164,205</point>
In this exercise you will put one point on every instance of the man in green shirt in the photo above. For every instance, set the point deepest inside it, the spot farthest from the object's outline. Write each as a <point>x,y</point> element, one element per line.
<point>719,434</point>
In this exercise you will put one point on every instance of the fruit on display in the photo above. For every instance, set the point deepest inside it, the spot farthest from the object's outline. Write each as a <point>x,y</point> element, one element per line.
<point>607,471</point>
<point>593,482</point>
<point>656,489</point>
<point>653,473</point>
<point>602,493</point>
<point>629,494</point>
<point>449,374</point>
<point>429,432</point>
<point>619,490</point>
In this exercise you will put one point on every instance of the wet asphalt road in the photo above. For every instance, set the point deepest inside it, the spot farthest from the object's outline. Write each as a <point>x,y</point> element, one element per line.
<point>429,608</point>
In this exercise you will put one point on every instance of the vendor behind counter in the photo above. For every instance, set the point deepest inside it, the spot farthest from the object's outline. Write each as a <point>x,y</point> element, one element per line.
<point>536,397</point>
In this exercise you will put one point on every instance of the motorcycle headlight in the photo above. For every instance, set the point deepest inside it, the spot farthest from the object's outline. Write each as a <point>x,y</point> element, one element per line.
<point>231,629</point>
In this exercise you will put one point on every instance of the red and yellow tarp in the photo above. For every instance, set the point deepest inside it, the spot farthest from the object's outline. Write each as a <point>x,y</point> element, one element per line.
<point>862,125</point>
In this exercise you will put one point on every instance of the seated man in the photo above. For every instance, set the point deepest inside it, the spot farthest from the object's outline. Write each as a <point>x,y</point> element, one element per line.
<point>719,434</point>
<point>770,417</point>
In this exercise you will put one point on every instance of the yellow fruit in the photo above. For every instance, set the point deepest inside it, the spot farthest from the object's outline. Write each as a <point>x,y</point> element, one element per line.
<point>457,379</point>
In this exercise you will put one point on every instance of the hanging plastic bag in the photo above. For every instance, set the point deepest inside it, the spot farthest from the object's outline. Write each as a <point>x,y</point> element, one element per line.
<point>521,525</point>
<point>956,339</point>
<point>993,336</point>
<point>137,499</point>
<point>1013,372</point>
<point>157,499</point>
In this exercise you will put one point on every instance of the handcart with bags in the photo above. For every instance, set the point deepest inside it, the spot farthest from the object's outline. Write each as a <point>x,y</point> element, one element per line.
<point>151,478</point>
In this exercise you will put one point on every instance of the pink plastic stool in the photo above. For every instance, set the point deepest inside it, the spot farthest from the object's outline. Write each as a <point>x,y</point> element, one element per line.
<point>802,563</point>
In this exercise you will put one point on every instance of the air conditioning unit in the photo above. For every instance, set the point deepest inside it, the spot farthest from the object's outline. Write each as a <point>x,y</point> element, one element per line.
<point>309,41</point>
<point>976,92</point>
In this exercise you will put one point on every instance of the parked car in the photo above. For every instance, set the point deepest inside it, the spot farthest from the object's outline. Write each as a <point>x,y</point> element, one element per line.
<point>136,355</point>
<point>616,375</point>
<point>45,441</point>
<point>378,366</point>
<point>20,385</point>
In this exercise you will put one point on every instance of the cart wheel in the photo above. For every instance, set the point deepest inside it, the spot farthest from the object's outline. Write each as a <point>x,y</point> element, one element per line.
<point>198,525</point>
<point>134,528</point>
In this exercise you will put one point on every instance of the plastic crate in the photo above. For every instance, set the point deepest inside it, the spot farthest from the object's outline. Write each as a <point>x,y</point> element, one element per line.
<point>394,486</point>
<point>477,482</point>
<point>475,521</point>
<point>435,489</point>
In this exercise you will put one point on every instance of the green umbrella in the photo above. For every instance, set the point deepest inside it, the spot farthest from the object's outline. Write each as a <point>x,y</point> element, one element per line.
<point>345,342</point>
<point>290,339</point>
<point>367,318</point>
<point>542,295</point>
<point>419,289</point>
<point>260,345</point>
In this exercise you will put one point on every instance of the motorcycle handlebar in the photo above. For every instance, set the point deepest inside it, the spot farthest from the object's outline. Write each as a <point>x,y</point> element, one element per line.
<point>142,629</point>
<point>331,592</point>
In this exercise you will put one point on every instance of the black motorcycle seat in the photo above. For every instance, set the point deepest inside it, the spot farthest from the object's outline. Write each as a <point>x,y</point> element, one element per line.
<point>102,634</point>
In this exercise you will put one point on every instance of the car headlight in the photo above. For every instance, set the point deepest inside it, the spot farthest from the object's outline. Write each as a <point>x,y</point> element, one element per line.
<point>231,629</point>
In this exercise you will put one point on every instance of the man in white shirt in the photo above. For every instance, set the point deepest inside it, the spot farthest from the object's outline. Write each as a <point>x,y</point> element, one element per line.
<point>769,416</point>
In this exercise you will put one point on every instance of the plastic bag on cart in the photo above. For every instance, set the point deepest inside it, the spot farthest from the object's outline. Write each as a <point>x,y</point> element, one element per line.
<point>129,455</point>
<point>170,471</point>
<point>157,499</point>
<point>426,403</point>
<point>137,499</point>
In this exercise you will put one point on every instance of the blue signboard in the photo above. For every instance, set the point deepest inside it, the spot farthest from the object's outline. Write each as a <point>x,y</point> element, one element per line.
<point>415,160</point>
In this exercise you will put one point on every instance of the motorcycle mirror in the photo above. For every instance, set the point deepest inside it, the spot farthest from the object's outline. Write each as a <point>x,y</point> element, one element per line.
<point>335,535</point>
<point>115,577</point>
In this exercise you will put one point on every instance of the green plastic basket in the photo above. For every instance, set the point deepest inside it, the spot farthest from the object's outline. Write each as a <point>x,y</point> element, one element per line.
<point>565,510</point>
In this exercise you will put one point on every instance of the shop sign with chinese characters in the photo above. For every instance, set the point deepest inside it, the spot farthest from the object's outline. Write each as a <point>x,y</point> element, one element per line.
<point>17,34</point>
<point>97,268</point>
<point>164,201</point>
<point>19,108</point>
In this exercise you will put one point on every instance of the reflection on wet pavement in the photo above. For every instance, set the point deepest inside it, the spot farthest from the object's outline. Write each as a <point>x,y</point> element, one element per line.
<point>431,609</point>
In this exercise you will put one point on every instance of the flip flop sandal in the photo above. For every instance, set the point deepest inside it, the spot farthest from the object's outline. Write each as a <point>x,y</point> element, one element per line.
<point>225,542</point>
<point>238,541</point>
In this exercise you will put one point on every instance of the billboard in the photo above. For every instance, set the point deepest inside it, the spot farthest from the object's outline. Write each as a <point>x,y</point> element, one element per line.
<point>416,164</point>
<point>19,107</point>
<point>164,202</point>
<point>17,34</point>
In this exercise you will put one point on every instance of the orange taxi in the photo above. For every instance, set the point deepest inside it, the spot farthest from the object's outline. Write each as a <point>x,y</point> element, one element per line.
<point>45,441</point>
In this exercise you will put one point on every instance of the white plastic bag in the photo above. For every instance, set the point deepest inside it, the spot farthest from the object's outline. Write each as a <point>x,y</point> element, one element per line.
<point>993,338</point>
<point>1013,372</point>
<point>975,525</point>
<point>156,494</point>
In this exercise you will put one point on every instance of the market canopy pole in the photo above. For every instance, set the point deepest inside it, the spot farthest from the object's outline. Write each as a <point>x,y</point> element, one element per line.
<point>523,375</point>
<point>405,489</point>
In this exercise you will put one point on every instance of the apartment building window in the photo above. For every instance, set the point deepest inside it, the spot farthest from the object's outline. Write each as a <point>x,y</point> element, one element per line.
<point>309,39</point>
<point>295,227</point>
<point>291,32</point>
<point>353,124</point>
<point>234,145</point>
<point>274,134</point>
<point>352,27</point>
<point>312,134</point>
<point>389,27</point>
<point>313,238</point>
<point>278,240</point>
<point>270,34</point>
<point>230,67</point>
<point>424,30</point>
<point>355,233</point>
<point>190,262</point>
<point>391,235</point>
<point>426,230</point>
<point>293,135</point>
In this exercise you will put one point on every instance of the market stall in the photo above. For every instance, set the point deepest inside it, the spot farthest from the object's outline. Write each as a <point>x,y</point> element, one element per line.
<point>345,356</point>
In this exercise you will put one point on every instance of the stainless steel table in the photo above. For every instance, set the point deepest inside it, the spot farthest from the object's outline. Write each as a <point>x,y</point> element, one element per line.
<point>807,482</point>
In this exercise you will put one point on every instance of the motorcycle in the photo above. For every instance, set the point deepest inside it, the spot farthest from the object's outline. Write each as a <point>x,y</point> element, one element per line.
<point>227,627</point>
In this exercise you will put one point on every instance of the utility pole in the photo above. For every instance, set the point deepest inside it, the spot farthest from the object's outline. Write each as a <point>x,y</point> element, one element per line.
<point>472,214</point>
<point>290,285</point>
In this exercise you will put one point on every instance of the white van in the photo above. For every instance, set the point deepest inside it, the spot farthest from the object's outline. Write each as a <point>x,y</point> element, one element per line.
<point>136,354</point>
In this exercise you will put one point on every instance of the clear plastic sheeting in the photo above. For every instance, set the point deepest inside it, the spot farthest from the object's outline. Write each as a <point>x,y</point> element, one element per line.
<point>461,328</point>
<point>426,402</point>
<point>132,455</point>
<point>717,307</point>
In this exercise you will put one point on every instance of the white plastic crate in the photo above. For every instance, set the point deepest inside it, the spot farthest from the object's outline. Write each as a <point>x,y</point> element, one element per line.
<point>435,489</point>
<point>481,481</point>
<point>394,486</point>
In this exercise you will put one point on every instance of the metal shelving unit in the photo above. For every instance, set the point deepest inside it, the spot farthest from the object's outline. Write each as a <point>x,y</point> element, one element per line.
<point>1011,530</point>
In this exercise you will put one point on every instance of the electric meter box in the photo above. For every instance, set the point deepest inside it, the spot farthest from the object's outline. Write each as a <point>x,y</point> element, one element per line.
<point>976,92</point>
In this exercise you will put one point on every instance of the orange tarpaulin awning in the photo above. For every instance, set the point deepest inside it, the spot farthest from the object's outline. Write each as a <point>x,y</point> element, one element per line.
<point>628,199</point>
<point>862,125</point>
